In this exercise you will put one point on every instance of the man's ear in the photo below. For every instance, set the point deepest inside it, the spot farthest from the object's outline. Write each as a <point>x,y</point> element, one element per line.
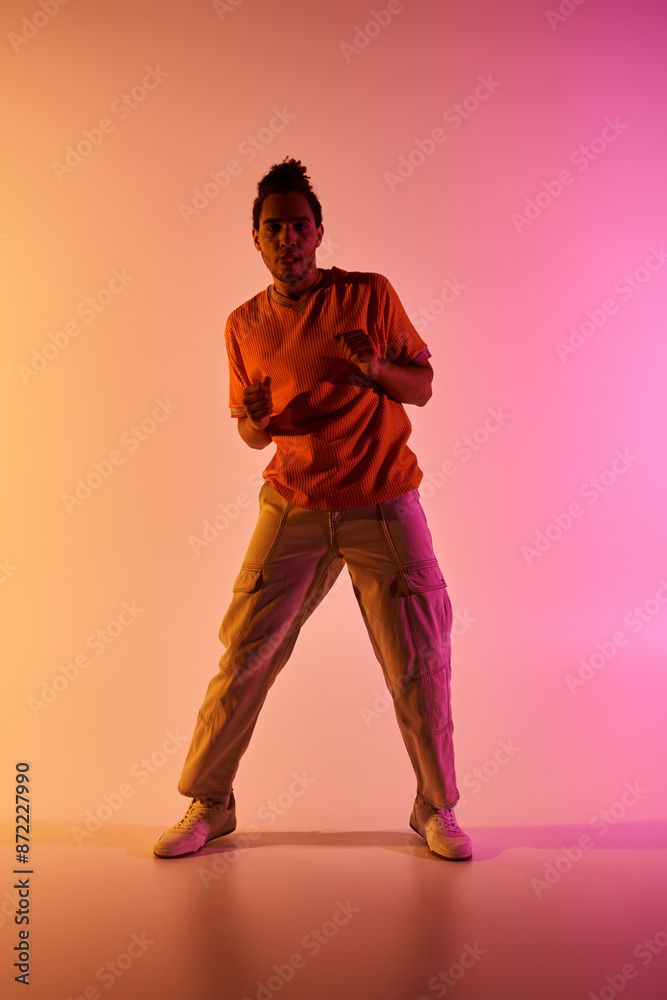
<point>320,232</point>
<point>255,238</point>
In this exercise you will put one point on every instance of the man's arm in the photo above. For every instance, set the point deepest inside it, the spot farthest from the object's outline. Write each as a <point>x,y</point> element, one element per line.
<point>253,436</point>
<point>406,383</point>
<point>257,403</point>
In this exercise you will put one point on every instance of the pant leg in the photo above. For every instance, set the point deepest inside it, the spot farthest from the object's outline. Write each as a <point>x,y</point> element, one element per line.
<point>288,569</point>
<point>404,602</point>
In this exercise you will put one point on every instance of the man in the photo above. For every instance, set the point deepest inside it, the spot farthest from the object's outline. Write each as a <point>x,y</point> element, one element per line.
<point>320,364</point>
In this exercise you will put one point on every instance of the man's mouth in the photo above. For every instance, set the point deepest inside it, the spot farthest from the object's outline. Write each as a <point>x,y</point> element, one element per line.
<point>288,260</point>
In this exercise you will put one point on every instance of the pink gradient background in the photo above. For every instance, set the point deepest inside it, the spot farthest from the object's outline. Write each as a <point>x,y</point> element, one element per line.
<point>494,346</point>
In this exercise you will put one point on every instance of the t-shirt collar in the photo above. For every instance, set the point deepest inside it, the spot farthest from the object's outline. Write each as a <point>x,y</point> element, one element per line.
<point>299,303</point>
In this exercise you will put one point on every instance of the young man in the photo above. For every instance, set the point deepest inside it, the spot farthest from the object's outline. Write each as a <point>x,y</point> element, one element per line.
<point>320,364</point>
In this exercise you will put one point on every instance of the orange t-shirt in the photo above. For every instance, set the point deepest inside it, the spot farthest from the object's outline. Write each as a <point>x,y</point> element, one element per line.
<point>340,437</point>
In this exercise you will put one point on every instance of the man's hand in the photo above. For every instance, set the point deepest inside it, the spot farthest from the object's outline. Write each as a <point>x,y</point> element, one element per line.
<point>257,403</point>
<point>358,348</point>
<point>406,383</point>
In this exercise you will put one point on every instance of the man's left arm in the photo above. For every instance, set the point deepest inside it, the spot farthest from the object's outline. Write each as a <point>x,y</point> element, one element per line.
<point>406,383</point>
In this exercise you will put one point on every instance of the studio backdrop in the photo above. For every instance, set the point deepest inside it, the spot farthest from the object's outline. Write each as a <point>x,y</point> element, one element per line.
<point>503,165</point>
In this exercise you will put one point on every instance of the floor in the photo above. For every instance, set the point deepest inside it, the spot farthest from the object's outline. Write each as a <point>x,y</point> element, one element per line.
<point>538,913</point>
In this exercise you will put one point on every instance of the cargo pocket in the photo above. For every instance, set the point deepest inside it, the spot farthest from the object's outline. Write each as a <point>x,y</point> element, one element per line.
<point>247,582</point>
<point>431,619</point>
<point>426,576</point>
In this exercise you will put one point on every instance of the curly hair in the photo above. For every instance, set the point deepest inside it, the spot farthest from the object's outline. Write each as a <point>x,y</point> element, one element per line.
<point>290,175</point>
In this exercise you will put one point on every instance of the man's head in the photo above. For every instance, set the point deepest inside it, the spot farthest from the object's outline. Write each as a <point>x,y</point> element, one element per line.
<point>287,226</point>
<point>290,175</point>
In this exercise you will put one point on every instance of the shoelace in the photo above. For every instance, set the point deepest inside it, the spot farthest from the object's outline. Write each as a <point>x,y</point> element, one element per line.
<point>447,820</point>
<point>194,812</point>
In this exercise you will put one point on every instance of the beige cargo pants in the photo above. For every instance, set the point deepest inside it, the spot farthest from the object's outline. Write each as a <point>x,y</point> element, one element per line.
<point>294,558</point>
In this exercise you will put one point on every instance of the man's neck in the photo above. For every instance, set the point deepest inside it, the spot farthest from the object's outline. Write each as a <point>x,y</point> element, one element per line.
<point>292,293</point>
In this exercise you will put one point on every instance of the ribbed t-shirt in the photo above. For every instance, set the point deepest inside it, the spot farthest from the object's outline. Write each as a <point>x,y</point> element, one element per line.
<point>341,439</point>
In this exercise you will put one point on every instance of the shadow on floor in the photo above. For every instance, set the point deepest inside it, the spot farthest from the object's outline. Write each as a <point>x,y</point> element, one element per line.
<point>488,842</point>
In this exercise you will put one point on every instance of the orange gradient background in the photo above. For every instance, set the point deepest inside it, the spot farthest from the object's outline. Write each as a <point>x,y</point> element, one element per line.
<point>357,113</point>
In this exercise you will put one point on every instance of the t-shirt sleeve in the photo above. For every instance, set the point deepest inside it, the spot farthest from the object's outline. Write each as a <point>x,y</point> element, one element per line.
<point>401,342</point>
<point>238,380</point>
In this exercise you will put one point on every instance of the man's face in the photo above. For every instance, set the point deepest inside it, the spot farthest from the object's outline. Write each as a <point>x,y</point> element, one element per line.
<point>287,238</point>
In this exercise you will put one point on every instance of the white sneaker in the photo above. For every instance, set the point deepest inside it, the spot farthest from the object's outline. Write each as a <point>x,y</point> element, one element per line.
<point>441,832</point>
<point>204,820</point>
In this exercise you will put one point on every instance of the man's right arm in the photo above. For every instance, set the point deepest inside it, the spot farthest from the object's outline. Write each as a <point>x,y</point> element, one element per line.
<point>255,437</point>
<point>257,403</point>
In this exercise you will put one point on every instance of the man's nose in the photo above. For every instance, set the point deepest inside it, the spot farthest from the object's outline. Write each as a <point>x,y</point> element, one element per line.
<point>288,237</point>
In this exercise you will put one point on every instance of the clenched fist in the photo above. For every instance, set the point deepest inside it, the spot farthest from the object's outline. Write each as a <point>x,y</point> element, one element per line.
<point>358,348</point>
<point>257,403</point>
